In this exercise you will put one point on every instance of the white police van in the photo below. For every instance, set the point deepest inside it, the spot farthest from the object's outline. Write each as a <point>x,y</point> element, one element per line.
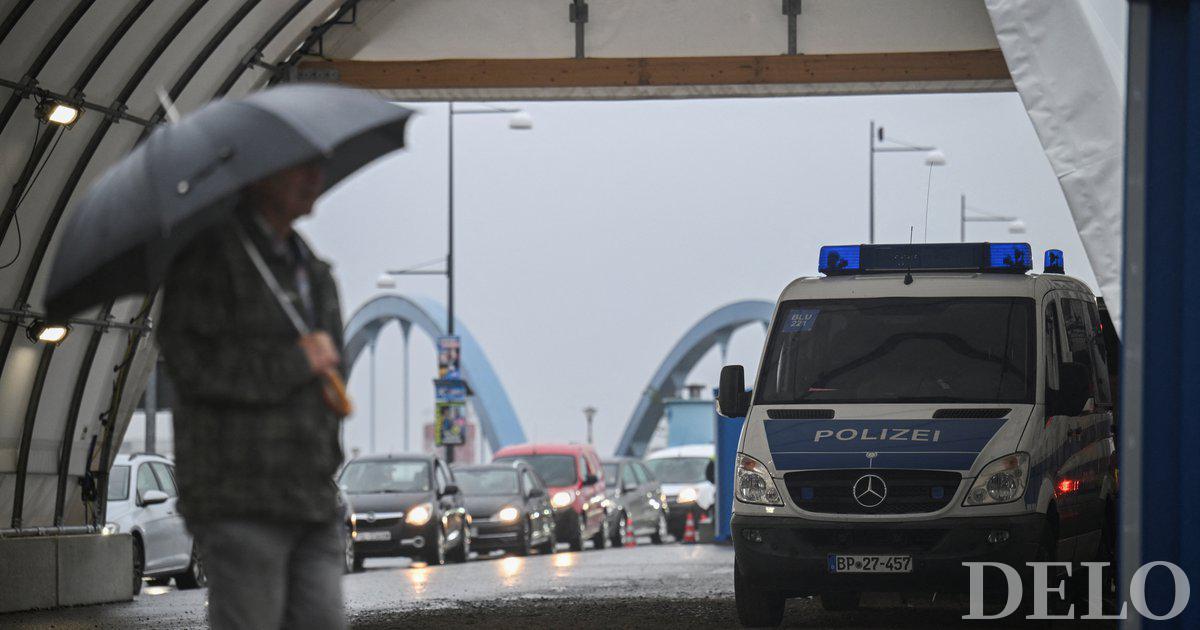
<point>918,407</point>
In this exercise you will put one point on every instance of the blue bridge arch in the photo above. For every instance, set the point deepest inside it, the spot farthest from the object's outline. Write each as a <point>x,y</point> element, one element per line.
<point>497,418</point>
<point>713,329</point>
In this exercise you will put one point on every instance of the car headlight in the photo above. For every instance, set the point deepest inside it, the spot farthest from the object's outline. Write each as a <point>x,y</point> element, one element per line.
<point>508,514</point>
<point>110,529</point>
<point>688,495</point>
<point>419,515</point>
<point>753,484</point>
<point>561,499</point>
<point>1001,481</point>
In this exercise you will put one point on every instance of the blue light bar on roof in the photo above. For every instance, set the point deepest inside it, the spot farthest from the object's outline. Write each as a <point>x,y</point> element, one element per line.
<point>1054,261</point>
<point>1010,257</point>
<point>837,259</point>
<point>982,257</point>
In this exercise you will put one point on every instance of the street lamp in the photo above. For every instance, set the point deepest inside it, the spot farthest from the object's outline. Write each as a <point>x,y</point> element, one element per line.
<point>877,139</point>
<point>519,120</point>
<point>1015,225</point>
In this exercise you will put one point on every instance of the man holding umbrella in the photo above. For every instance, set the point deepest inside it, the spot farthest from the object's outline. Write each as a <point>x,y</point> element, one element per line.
<point>256,447</point>
<point>250,329</point>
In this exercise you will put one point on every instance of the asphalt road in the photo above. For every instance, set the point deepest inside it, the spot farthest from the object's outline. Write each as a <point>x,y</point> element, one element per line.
<point>668,586</point>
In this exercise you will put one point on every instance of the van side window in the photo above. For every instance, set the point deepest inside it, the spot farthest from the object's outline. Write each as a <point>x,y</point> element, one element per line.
<point>1052,345</point>
<point>528,481</point>
<point>581,467</point>
<point>1099,355</point>
<point>1081,342</point>
<point>146,481</point>
<point>440,476</point>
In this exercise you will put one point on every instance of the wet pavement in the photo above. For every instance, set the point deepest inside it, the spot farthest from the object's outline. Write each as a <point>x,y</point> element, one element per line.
<point>667,586</point>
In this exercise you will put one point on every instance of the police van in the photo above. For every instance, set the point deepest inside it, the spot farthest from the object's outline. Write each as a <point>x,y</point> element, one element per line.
<point>917,407</point>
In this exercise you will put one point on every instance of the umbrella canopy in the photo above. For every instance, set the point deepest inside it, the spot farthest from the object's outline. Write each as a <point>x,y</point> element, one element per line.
<point>125,231</point>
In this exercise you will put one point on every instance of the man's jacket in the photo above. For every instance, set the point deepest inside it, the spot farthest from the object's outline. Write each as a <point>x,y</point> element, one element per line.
<point>253,438</point>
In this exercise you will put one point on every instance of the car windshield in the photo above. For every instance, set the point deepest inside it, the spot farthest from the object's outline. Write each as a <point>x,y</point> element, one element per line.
<point>555,470</point>
<point>610,473</point>
<point>897,350</point>
<point>118,483</point>
<point>678,469</point>
<point>369,477</point>
<point>487,481</point>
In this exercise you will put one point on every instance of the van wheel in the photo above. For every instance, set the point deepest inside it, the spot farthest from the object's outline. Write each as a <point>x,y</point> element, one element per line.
<point>194,577</point>
<point>463,552</point>
<point>139,564</point>
<point>756,607</point>
<point>600,540</point>
<point>660,529</point>
<point>618,535</point>
<point>551,544</point>
<point>576,540</point>
<point>840,602</point>
<point>435,550</point>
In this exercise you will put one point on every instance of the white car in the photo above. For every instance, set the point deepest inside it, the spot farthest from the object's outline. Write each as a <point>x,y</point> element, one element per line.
<point>141,502</point>
<point>686,475</point>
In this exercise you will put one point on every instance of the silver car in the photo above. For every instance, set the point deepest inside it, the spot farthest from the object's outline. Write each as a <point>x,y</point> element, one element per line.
<point>141,502</point>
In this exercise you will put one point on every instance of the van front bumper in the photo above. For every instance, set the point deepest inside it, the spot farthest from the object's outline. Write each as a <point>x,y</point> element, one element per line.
<point>793,555</point>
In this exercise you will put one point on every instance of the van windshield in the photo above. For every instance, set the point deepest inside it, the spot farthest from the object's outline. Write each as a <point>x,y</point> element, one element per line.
<point>900,350</point>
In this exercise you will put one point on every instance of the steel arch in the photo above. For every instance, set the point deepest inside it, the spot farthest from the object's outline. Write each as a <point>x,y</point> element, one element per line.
<point>496,415</point>
<point>713,329</point>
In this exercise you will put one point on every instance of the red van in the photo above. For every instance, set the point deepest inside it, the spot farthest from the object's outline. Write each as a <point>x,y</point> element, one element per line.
<point>575,481</point>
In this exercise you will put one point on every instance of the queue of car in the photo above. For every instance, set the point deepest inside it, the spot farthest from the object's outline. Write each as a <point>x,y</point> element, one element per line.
<point>530,498</point>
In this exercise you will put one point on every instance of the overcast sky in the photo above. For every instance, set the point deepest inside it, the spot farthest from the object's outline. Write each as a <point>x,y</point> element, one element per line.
<point>588,245</point>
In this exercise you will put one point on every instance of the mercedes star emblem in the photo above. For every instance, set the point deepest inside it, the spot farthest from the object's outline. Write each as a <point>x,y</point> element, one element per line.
<point>869,491</point>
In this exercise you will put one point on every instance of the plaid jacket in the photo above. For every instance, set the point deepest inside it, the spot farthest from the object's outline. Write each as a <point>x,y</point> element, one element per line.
<point>253,438</point>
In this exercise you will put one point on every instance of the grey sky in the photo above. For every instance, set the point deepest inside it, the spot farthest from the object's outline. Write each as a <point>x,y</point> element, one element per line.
<point>588,245</point>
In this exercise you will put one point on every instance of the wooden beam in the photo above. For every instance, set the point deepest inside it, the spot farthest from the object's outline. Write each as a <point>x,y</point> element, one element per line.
<point>965,65</point>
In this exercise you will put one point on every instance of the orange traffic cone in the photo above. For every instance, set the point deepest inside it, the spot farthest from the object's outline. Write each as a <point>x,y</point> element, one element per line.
<point>705,520</point>
<point>689,529</point>
<point>630,539</point>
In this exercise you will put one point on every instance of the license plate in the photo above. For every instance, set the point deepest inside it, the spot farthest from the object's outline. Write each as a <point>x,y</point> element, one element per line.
<point>365,536</point>
<point>870,564</point>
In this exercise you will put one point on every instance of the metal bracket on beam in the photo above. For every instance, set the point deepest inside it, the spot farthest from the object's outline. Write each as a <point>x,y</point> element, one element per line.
<point>578,15</point>
<point>325,75</point>
<point>791,8</point>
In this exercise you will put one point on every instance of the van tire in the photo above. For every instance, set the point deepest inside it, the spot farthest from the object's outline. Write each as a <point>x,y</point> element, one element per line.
<point>840,602</point>
<point>576,538</point>
<point>756,607</point>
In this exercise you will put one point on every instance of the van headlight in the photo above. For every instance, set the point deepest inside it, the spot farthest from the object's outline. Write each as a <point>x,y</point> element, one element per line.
<point>753,484</point>
<point>687,495</point>
<point>561,499</point>
<point>508,514</point>
<point>110,529</point>
<point>419,515</point>
<point>1001,481</point>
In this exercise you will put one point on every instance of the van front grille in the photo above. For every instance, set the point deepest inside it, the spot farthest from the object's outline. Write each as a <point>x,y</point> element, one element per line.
<point>908,491</point>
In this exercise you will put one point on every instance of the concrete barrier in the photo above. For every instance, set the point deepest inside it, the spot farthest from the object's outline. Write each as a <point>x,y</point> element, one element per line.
<point>49,571</point>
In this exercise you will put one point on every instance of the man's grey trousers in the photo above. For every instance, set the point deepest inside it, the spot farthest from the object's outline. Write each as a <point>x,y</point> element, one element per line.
<point>269,574</point>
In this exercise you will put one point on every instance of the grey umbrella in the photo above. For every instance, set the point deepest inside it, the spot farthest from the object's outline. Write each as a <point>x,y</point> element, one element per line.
<point>125,231</point>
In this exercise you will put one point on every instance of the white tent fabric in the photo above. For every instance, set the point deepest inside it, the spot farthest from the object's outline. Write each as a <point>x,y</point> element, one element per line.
<point>1058,61</point>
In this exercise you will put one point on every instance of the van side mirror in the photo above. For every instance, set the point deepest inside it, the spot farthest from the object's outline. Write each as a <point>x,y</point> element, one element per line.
<point>733,401</point>
<point>536,492</point>
<point>591,480</point>
<point>451,488</point>
<point>1073,392</point>
<point>153,497</point>
<point>710,472</point>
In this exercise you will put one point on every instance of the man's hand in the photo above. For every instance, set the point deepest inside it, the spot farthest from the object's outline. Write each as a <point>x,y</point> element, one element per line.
<point>318,347</point>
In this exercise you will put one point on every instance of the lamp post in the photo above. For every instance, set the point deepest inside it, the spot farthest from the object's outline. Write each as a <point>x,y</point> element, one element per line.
<point>519,120</point>
<point>589,413</point>
<point>1015,225</point>
<point>878,139</point>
